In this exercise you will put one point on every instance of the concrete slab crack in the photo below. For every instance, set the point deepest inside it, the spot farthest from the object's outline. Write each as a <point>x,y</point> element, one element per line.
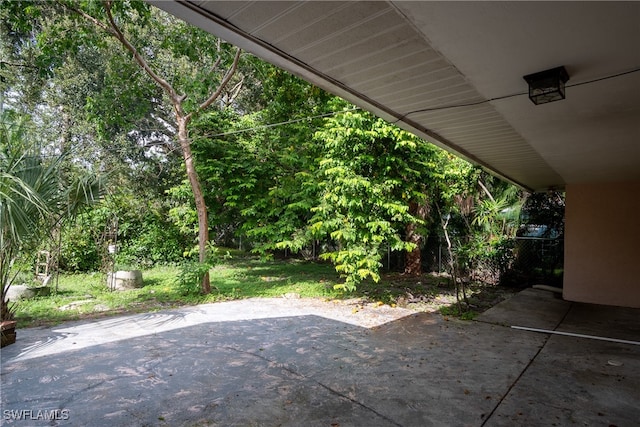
<point>324,386</point>
<point>513,384</point>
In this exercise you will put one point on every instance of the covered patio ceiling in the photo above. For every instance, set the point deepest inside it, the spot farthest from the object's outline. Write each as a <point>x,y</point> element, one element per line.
<point>451,72</point>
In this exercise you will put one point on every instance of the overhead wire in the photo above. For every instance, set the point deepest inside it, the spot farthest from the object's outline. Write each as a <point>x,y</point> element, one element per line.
<point>404,116</point>
<point>319,116</point>
<point>513,95</point>
<point>266,126</point>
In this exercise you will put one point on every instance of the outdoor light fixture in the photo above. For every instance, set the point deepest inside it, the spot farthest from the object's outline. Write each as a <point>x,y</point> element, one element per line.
<point>547,86</point>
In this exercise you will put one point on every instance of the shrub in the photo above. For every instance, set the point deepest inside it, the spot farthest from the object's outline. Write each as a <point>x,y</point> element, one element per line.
<point>78,250</point>
<point>146,236</point>
<point>192,272</point>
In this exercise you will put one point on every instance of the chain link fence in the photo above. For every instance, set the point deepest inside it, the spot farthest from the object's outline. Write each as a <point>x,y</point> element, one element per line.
<point>528,261</point>
<point>537,261</point>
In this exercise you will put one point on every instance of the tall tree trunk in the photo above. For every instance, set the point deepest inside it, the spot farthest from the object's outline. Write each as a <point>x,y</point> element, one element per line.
<point>182,119</point>
<point>452,265</point>
<point>444,222</point>
<point>413,264</point>
<point>201,207</point>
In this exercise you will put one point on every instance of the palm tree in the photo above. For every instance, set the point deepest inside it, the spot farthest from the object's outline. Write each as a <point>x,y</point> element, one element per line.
<point>34,197</point>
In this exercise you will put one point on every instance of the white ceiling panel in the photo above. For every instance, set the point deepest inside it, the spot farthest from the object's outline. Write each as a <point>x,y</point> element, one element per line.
<point>451,72</point>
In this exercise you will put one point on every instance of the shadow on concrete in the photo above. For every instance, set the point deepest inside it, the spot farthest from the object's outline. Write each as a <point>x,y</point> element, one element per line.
<point>191,367</point>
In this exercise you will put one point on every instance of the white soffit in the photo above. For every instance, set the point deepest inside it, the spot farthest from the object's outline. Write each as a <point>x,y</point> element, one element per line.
<point>432,68</point>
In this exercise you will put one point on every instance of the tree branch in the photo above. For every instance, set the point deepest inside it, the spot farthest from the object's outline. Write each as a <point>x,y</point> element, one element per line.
<point>486,190</point>
<point>88,17</point>
<point>165,85</point>
<point>235,91</point>
<point>11,64</point>
<point>219,58</point>
<point>224,82</point>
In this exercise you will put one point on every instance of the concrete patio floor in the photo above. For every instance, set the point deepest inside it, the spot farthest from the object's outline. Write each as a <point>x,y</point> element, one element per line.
<point>278,363</point>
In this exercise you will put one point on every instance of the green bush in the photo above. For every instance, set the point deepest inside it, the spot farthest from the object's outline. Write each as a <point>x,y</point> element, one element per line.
<point>191,273</point>
<point>190,276</point>
<point>500,255</point>
<point>157,242</point>
<point>146,236</point>
<point>78,250</point>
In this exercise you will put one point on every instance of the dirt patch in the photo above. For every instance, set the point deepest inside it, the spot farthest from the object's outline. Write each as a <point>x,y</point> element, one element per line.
<point>406,295</point>
<point>436,293</point>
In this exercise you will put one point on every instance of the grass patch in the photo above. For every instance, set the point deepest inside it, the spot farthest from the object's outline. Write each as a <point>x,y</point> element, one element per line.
<point>453,311</point>
<point>83,296</point>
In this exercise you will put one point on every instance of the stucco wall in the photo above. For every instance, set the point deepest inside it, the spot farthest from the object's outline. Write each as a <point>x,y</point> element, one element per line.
<point>602,243</point>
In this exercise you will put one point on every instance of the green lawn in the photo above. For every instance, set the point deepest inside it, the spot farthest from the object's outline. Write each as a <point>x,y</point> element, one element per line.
<point>87,295</point>
<point>81,296</point>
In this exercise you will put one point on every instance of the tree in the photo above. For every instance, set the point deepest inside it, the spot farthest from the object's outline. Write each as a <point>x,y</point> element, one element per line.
<point>182,117</point>
<point>192,69</point>
<point>478,218</point>
<point>35,196</point>
<point>263,175</point>
<point>375,181</point>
